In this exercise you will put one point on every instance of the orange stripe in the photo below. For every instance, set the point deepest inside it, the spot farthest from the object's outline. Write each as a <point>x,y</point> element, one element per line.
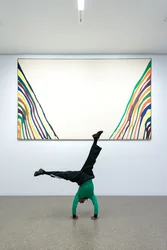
<point>19,130</point>
<point>143,81</point>
<point>137,104</point>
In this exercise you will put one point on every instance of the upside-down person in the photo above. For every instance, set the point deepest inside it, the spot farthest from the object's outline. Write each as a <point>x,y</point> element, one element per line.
<point>83,178</point>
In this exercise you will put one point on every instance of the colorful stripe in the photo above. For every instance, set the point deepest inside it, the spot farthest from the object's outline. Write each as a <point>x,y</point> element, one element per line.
<point>135,123</point>
<point>32,121</point>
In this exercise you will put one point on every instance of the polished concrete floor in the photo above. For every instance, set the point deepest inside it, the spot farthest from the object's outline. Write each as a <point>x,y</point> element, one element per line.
<point>44,223</point>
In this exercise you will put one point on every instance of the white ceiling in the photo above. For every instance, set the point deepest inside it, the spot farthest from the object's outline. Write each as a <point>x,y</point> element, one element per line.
<point>109,26</point>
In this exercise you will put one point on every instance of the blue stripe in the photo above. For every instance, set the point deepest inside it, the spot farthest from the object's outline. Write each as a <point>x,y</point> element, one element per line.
<point>142,116</point>
<point>148,121</point>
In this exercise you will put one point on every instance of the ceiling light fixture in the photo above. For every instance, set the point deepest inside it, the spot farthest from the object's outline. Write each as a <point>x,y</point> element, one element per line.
<point>81,5</point>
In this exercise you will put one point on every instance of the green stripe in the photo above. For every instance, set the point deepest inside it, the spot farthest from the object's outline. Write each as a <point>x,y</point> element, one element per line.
<point>138,83</point>
<point>22,122</point>
<point>22,109</point>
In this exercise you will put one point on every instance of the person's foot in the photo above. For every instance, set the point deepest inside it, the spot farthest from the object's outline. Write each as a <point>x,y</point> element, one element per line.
<point>39,172</point>
<point>97,135</point>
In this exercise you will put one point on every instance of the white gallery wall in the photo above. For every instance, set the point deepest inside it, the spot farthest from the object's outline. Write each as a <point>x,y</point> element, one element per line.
<point>123,167</point>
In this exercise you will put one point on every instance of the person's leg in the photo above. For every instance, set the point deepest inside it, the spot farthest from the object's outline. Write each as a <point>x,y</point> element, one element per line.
<point>97,136</point>
<point>93,154</point>
<point>86,172</point>
<point>73,176</point>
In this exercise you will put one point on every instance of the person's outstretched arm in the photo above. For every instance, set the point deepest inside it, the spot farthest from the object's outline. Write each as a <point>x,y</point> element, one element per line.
<point>96,206</point>
<point>74,205</point>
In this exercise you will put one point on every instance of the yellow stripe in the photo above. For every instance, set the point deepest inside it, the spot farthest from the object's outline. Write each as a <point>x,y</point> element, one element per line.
<point>29,116</point>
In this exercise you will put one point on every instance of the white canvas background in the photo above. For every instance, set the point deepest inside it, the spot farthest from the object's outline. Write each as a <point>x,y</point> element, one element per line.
<point>80,97</point>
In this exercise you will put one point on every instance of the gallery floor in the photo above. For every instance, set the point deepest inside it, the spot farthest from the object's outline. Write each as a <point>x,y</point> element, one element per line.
<point>44,223</point>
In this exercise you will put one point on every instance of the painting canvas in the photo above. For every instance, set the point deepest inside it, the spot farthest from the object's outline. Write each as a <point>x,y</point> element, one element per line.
<point>70,99</point>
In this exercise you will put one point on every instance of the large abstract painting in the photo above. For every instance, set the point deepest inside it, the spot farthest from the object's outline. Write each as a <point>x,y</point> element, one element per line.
<point>70,99</point>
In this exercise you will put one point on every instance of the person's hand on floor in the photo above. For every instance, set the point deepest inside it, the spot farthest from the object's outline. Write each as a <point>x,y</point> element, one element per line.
<point>75,218</point>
